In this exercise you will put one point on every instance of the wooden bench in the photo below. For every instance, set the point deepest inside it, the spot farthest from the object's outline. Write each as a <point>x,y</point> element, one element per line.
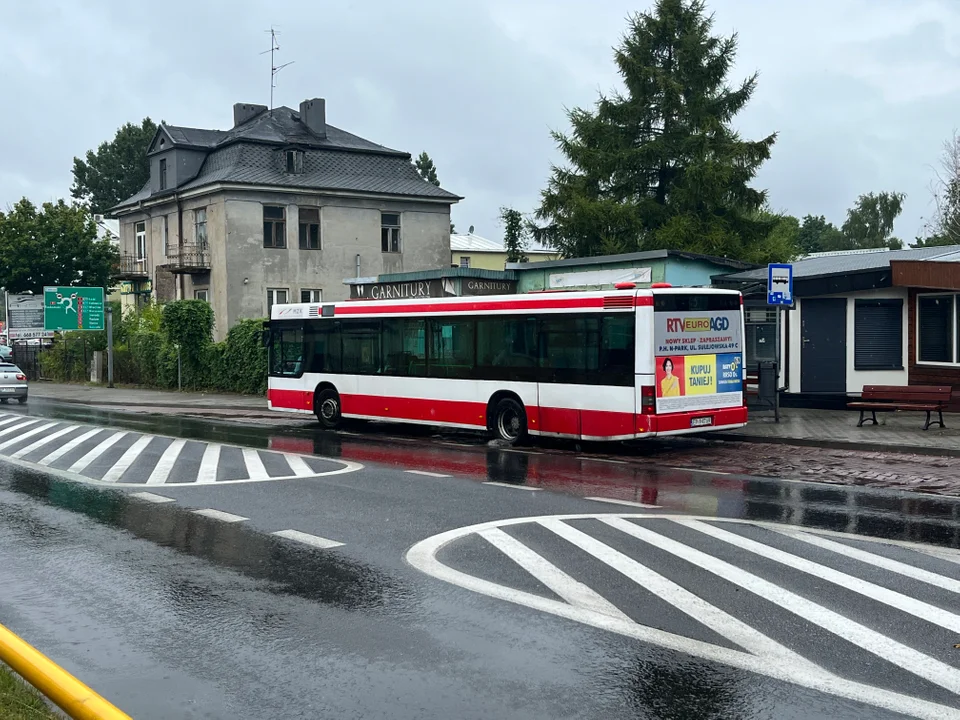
<point>891,398</point>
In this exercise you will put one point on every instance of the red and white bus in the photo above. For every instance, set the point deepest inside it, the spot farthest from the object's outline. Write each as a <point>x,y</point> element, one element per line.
<point>602,365</point>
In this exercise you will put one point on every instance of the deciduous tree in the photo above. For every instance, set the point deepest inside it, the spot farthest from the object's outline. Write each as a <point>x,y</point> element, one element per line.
<point>116,170</point>
<point>869,222</point>
<point>55,244</point>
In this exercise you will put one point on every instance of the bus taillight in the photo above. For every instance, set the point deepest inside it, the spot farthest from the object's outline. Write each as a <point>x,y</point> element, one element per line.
<point>648,400</point>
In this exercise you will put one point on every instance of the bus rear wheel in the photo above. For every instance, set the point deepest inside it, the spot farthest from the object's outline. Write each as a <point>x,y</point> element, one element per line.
<point>327,409</point>
<point>509,420</point>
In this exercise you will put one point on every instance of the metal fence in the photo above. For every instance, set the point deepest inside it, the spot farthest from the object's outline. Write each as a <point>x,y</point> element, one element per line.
<point>27,358</point>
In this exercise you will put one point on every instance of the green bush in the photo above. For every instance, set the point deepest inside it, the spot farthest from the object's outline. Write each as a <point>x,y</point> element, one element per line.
<point>244,366</point>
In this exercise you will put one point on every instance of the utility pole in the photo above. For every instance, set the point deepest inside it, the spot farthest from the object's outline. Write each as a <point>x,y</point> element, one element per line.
<point>274,68</point>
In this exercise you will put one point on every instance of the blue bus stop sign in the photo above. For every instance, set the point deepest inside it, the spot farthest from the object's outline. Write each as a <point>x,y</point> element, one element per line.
<point>779,284</point>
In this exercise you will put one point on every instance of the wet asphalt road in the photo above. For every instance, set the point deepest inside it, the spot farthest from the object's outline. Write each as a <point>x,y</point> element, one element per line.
<point>172,614</point>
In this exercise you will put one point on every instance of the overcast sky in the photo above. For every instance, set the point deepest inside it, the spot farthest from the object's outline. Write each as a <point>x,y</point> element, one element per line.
<point>861,92</point>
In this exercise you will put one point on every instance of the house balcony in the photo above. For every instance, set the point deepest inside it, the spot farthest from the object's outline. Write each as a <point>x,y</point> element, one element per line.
<point>189,260</point>
<point>130,267</point>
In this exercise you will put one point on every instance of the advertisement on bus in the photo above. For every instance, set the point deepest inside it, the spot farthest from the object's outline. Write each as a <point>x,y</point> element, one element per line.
<point>699,360</point>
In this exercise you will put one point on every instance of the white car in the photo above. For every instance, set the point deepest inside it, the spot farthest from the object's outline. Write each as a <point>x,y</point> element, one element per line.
<point>6,352</point>
<point>13,383</point>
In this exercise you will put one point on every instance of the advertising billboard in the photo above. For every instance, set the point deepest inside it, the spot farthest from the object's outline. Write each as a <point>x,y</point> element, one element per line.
<point>699,358</point>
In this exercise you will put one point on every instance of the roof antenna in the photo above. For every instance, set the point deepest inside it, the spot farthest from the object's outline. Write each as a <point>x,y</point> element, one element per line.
<point>274,69</point>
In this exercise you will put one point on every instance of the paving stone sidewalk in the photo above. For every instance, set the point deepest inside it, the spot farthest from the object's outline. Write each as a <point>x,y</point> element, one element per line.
<point>141,397</point>
<point>901,432</point>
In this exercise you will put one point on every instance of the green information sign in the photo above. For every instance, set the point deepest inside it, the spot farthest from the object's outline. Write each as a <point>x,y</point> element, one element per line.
<point>73,308</point>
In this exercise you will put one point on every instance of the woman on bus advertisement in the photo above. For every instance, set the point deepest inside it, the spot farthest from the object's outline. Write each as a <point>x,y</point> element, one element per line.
<point>670,377</point>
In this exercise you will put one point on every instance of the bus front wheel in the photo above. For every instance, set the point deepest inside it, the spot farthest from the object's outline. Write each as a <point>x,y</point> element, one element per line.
<point>509,420</point>
<point>327,409</point>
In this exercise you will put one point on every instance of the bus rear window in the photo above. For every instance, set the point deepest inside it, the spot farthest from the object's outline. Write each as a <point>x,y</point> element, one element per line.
<point>693,302</point>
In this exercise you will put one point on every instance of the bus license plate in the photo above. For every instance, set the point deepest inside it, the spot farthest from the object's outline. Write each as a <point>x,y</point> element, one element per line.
<point>701,421</point>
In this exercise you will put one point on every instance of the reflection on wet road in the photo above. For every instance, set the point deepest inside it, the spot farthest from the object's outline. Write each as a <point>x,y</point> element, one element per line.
<point>170,613</point>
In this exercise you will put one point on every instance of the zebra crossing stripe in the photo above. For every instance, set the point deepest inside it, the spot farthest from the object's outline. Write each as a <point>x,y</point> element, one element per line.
<point>67,447</point>
<point>94,442</point>
<point>166,462</point>
<point>30,433</point>
<point>760,654</point>
<point>913,661</point>
<point>127,459</point>
<point>83,463</point>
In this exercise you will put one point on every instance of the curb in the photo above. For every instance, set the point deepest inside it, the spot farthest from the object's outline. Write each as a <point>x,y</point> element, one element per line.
<point>839,445</point>
<point>182,406</point>
<point>60,687</point>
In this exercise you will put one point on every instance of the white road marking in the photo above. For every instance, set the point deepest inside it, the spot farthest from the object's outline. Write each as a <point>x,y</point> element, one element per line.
<point>127,459</point>
<point>510,485</point>
<point>298,466</point>
<point>308,539</point>
<point>631,503</point>
<point>877,560</point>
<point>30,433</point>
<point>17,429</point>
<point>208,464</point>
<point>600,459</point>
<point>804,673</point>
<point>254,465</point>
<point>700,470</point>
<point>571,590</point>
<point>220,515</point>
<point>917,608</point>
<point>152,497</point>
<point>82,464</point>
<point>67,447</point>
<point>36,445</point>
<point>426,473</point>
<point>168,459</point>
<point>903,656</point>
<point>19,426</point>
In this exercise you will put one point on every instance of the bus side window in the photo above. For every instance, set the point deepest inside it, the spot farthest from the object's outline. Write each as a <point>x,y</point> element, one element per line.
<point>323,346</point>
<point>618,349</point>
<point>507,348</point>
<point>451,347</point>
<point>286,351</point>
<point>404,347</point>
<point>361,346</point>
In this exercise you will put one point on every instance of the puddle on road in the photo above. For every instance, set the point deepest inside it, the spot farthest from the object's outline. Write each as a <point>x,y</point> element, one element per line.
<point>326,578</point>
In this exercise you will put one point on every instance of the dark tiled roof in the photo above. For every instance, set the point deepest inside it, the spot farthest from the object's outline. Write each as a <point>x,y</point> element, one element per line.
<point>255,164</point>
<point>252,154</point>
<point>845,263</point>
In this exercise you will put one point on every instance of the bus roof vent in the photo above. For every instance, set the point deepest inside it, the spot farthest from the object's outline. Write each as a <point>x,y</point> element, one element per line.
<point>618,301</point>
<point>661,285</point>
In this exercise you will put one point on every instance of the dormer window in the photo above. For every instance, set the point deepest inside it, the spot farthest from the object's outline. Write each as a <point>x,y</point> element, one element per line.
<point>293,160</point>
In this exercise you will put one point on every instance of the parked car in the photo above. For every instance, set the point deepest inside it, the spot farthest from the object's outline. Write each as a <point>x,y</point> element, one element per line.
<point>6,352</point>
<point>13,383</point>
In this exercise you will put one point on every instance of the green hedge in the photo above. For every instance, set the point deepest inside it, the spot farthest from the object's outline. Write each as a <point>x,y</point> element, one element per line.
<point>158,346</point>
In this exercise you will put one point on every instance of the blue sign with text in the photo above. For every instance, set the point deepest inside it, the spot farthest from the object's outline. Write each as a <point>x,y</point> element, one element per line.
<point>779,284</point>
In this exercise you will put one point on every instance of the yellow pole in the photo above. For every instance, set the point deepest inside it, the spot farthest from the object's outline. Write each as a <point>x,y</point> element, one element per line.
<point>63,689</point>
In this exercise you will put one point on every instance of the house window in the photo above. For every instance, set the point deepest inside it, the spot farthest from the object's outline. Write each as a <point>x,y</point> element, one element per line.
<point>200,228</point>
<point>274,226</point>
<point>878,335</point>
<point>294,161</point>
<point>935,329</point>
<point>390,232</point>
<point>163,173</point>
<point>309,228</point>
<point>202,295</point>
<point>276,296</point>
<point>311,296</point>
<point>166,236</point>
<point>464,262</point>
<point>140,230</point>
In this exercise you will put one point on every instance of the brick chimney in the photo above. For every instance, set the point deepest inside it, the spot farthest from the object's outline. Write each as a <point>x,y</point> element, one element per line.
<point>242,112</point>
<point>313,114</point>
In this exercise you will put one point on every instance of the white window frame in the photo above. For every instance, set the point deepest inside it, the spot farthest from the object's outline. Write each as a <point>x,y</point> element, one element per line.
<point>399,233</point>
<point>140,241</point>
<point>202,294</point>
<point>309,224</point>
<point>465,261</point>
<point>200,223</point>
<point>954,329</point>
<point>273,299</point>
<point>166,235</point>
<point>315,295</point>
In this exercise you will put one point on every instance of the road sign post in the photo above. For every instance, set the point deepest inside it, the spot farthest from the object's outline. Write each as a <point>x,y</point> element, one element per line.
<point>73,308</point>
<point>779,293</point>
<point>109,346</point>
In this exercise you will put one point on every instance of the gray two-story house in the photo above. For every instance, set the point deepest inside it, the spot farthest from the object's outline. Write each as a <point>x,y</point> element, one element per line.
<point>281,208</point>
